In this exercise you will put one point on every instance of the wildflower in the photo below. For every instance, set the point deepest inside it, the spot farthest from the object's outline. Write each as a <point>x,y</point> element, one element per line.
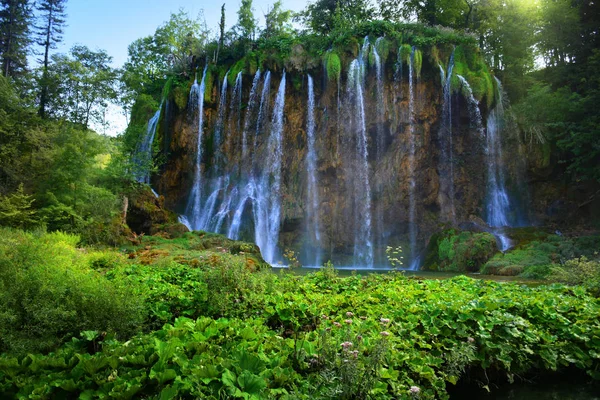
<point>324,316</point>
<point>470,340</point>
<point>359,338</point>
<point>384,321</point>
<point>346,345</point>
<point>363,317</point>
<point>414,390</point>
<point>328,329</point>
<point>354,353</point>
<point>348,321</point>
<point>349,314</point>
<point>337,324</point>
<point>384,333</point>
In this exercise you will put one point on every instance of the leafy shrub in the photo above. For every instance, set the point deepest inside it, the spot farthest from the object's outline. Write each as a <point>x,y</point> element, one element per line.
<point>333,65</point>
<point>49,293</point>
<point>459,250</point>
<point>579,271</point>
<point>16,210</point>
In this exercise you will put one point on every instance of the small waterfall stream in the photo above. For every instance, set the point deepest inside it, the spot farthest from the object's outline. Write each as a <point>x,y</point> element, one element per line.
<point>446,166</point>
<point>143,155</point>
<point>412,186</point>
<point>312,213</point>
<point>219,125</point>
<point>363,240</point>
<point>194,206</point>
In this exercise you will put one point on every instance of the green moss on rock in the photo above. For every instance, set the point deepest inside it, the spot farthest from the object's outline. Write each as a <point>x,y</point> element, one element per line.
<point>459,251</point>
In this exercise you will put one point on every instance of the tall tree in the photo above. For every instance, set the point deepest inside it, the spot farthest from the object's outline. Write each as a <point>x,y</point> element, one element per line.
<point>49,32</point>
<point>324,16</point>
<point>221,33</point>
<point>84,84</point>
<point>15,17</point>
<point>277,20</point>
<point>246,26</point>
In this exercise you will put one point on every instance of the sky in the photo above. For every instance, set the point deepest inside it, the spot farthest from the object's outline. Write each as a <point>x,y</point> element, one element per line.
<point>112,25</point>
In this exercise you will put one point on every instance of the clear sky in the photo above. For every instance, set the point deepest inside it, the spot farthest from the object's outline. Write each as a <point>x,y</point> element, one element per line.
<point>113,24</point>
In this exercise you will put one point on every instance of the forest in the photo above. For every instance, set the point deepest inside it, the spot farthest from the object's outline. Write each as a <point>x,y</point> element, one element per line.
<point>364,199</point>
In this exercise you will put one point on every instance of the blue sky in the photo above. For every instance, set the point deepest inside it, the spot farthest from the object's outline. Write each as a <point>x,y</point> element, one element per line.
<point>113,24</point>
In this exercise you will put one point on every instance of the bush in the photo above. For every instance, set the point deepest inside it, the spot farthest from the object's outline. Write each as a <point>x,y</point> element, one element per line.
<point>459,251</point>
<point>579,271</point>
<point>49,293</point>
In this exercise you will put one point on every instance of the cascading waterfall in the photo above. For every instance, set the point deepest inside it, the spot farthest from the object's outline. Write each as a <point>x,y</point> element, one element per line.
<point>379,142</point>
<point>268,215</point>
<point>235,109</point>
<point>363,241</point>
<point>220,121</point>
<point>312,217</point>
<point>263,110</point>
<point>446,140</point>
<point>144,152</point>
<point>249,115</point>
<point>473,105</point>
<point>498,203</point>
<point>412,201</point>
<point>206,218</point>
<point>194,206</point>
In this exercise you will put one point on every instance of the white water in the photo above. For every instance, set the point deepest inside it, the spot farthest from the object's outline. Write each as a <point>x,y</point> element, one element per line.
<point>473,105</point>
<point>363,240</point>
<point>249,115</point>
<point>194,205</point>
<point>217,140</point>
<point>446,140</point>
<point>412,203</point>
<point>144,153</point>
<point>312,202</point>
<point>268,215</point>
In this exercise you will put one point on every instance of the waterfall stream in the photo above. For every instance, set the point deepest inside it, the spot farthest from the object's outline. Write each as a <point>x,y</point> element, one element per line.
<point>312,203</point>
<point>193,209</point>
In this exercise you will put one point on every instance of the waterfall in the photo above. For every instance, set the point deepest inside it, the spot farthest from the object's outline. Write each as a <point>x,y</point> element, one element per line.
<point>363,241</point>
<point>312,202</point>
<point>498,203</point>
<point>193,208</point>
<point>473,105</point>
<point>249,114</point>
<point>220,121</point>
<point>143,155</point>
<point>236,222</point>
<point>235,106</point>
<point>263,109</point>
<point>412,203</point>
<point>209,208</point>
<point>446,166</point>
<point>268,215</point>
<point>380,101</point>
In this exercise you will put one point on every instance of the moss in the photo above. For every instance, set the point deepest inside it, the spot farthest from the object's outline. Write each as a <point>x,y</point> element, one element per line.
<point>454,250</point>
<point>333,65</point>
<point>383,48</point>
<point>235,70</point>
<point>418,62</point>
<point>209,79</point>
<point>180,97</point>
<point>405,51</point>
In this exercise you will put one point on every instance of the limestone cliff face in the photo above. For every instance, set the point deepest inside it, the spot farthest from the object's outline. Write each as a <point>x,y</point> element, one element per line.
<point>389,131</point>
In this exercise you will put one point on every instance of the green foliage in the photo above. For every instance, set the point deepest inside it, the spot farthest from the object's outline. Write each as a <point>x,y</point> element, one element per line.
<point>459,250</point>
<point>536,258</point>
<point>394,256</point>
<point>579,271</point>
<point>405,52</point>
<point>49,293</point>
<point>312,337</point>
<point>418,62</point>
<point>333,65</point>
<point>16,210</point>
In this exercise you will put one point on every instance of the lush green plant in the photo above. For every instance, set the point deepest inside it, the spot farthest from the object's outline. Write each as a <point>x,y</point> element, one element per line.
<point>394,256</point>
<point>333,65</point>
<point>16,210</point>
<point>459,250</point>
<point>579,271</point>
<point>49,293</point>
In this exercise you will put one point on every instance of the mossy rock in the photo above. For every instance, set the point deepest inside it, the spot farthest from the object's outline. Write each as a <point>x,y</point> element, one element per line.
<point>459,251</point>
<point>146,214</point>
<point>333,65</point>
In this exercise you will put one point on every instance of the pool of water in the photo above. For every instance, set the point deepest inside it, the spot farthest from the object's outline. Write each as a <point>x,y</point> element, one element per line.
<point>561,389</point>
<point>348,271</point>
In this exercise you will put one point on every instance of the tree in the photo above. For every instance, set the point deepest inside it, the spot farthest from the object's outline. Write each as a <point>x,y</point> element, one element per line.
<point>16,210</point>
<point>82,84</point>
<point>221,33</point>
<point>246,26</point>
<point>49,32</point>
<point>277,20</point>
<point>15,17</point>
<point>324,16</point>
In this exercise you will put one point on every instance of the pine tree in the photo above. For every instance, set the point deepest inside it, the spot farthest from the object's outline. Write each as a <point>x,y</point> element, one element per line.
<point>15,17</point>
<point>49,32</point>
